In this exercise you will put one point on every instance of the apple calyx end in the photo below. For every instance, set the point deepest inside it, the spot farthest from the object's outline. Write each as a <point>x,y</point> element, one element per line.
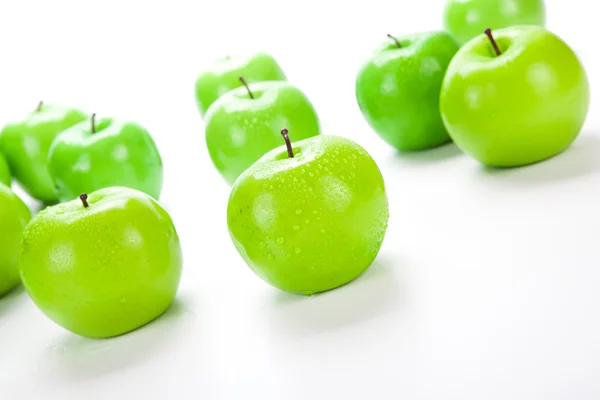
<point>395,40</point>
<point>83,197</point>
<point>488,33</point>
<point>288,143</point>
<point>241,78</point>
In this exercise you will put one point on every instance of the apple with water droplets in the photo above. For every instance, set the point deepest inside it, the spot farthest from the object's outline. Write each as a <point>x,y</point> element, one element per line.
<point>104,264</point>
<point>243,125</point>
<point>102,153</point>
<point>311,216</point>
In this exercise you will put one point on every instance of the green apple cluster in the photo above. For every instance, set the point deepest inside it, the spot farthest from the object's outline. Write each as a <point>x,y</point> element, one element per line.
<point>107,258</point>
<point>57,153</point>
<point>291,201</point>
<point>245,102</point>
<point>509,97</point>
<point>307,212</point>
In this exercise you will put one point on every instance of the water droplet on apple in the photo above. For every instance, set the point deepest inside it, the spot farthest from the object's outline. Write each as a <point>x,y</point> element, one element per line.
<point>307,221</point>
<point>310,189</point>
<point>297,250</point>
<point>295,179</point>
<point>298,212</point>
<point>322,230</point>
<point>296,227</point>
<point>280,240</point>
<point>263,244</point>
<point>311,174</point>
<point>270,256</point>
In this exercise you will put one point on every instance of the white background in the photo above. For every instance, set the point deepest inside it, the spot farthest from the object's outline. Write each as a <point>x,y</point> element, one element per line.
<point>487,286</point>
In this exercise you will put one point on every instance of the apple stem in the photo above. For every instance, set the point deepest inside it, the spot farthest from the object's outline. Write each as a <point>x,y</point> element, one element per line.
<point>93,123</point>
<point>395,40</point>
<point>39,106</point>
<point>288,144</point>
<point>83,198</point>
<point>246,86</point>
<point>488,32</point>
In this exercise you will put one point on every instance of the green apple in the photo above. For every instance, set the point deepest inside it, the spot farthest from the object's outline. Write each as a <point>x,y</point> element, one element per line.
<point>25,145</point>
<point>14,216</point>
<point>243,125</point>
<point>96,154</point>
<point>516,104</point>
<point>5,176</point>
<point>465,19</point>
<point>311,217</point>
<point>104,264</point>
<point>398,89</point>
<point>224,76</point>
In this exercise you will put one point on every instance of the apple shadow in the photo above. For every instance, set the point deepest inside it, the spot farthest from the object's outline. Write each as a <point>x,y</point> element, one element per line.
<point>440,153</point>
<point>73,358</point>
<point>377,292</point>
<point>581,159</point>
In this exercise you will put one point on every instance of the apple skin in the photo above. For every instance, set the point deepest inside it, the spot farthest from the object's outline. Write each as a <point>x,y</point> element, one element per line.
<point>518,108</point>
<point>5,176</point>
<point>240,130</point>
<point>313,222</point>
<point>398,90</point>
<point>25,145</point>
<point>14,216</point>
<point>103,270</point>
<point>118,153</point>
<point>466,19</point>
<point>224,75</point>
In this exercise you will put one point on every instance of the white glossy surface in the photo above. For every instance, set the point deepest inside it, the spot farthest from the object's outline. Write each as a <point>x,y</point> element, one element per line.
<point>487,284</point>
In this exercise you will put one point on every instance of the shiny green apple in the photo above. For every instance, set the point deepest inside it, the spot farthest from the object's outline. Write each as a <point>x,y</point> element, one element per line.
<point>313,221</point>
<point>224,74</point>
<point>104,264</point>
<point>108,152</point>
<point>398,89</point>
<point>465,19</point>
<point>14,216</point>
<point>244,124</point>
<point>516,104</point>
<point>25,145</point>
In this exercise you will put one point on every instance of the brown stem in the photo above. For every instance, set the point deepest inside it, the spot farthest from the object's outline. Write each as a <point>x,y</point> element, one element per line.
<point>93,123</point>
<point>288,144</point>
<point>83,198</point>
<point>395,40</point>
<point>488,32</point>
<point>246,86</point>
<point>39,106</point>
